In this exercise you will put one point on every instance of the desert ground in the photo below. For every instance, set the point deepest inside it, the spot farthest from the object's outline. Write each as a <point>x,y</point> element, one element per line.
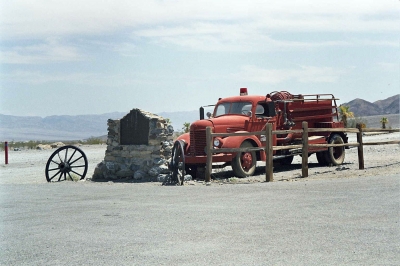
<point>336,216</point>
<point>28,166</point>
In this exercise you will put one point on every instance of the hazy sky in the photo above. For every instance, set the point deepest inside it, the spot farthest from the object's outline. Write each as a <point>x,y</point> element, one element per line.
<point>91,57</point>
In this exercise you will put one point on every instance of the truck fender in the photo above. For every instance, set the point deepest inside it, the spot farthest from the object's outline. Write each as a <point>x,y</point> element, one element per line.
<point>236,141</point>
<point>186,138</point>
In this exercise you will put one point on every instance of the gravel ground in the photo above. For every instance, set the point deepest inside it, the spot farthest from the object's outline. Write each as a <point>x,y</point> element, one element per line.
<point>28,166</point>
<point>336,216</point>
<point>377,160</point>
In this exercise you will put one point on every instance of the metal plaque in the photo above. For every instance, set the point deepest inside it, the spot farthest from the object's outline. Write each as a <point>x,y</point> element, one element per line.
<point>135,129</point>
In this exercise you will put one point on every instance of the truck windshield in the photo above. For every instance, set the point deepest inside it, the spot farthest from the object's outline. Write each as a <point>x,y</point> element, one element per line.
<point>233,108</point>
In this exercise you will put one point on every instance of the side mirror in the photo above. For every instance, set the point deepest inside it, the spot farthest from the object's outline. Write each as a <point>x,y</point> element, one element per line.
<point>208,114</point>
<point>201,113</point>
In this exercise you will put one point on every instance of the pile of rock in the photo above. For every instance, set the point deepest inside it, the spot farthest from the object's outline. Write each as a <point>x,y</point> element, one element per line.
<point>142,161</point>
<point>43,147</point>
<point>57,145</point>
<point>49,146</point>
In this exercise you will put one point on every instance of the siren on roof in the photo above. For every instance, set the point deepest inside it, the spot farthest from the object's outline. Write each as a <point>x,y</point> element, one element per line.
<point>243,91</point>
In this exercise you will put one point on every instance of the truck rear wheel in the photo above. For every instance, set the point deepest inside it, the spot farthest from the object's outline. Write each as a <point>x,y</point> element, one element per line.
<point>244,163</point>
<point>335,155</point>
<point>321,158</point>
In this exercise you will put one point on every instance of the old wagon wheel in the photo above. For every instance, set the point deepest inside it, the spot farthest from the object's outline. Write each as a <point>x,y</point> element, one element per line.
<point>177,165</point>
<point>66,163</point>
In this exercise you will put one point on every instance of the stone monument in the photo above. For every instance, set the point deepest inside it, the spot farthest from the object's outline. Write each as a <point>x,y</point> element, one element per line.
<point>138,148</point>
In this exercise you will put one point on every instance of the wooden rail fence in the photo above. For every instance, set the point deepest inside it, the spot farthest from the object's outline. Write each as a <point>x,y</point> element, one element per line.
<point>269,148</point>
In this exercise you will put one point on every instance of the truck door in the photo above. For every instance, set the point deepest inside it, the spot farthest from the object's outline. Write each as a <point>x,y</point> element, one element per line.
<point>264,113</point>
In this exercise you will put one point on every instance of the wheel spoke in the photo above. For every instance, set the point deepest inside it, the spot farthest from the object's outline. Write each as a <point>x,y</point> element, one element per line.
<point>76,173</point>
<point>78,166</point>
<point>70,177</point>
<point>55,175</point>
<point>59,157</point>
<point>70,158</point>
<point>53,169</point>
<point>55,162</point>
<point>60,177</point>
<point>66,154</point>
<point>75,160</point>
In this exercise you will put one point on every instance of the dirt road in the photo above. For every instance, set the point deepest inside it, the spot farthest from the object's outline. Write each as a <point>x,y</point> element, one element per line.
<point>336,216</point>
<point>28,166</point>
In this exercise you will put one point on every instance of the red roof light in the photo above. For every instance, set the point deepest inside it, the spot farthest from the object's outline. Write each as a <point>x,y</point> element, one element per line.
<point>243,91</point>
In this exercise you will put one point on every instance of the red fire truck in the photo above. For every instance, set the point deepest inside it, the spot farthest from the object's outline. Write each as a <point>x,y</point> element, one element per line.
<point>251,113</point>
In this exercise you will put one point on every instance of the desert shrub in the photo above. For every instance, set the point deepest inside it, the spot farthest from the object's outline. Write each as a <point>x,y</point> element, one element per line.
<point>352,123</point>
<point>73,177</point>
<point>177,134</point>
<point>186,127</point>
<point>94,141</point>
<point>31,144</point>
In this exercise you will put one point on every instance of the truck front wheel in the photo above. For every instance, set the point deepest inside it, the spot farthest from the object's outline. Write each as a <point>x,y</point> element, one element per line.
<point>335,155</point>
<point>244,163</point>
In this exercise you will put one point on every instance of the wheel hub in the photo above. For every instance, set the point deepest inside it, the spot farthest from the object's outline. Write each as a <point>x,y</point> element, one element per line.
<point>65,167</point>
<point>247,160</point>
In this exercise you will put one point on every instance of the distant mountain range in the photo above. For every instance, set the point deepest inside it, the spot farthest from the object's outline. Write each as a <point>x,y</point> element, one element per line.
<point>65,127</point>
<point>57,127</point>
<point>362,107</point>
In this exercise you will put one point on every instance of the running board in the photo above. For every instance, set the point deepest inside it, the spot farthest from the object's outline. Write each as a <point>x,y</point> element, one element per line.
<point>281,156</point>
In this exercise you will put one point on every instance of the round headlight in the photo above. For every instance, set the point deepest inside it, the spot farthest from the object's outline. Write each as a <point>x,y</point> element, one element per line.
<point>216,142</point>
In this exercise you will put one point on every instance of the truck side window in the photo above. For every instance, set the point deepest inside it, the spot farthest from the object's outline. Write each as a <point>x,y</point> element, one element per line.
<point>222,109</point>
<point>259,109</point>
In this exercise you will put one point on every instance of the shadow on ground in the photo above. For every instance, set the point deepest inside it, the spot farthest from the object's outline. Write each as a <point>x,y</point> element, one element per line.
<point>278,168</point>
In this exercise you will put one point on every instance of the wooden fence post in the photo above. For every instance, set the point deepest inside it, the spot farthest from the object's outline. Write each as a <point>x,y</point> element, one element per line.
<point>360,147</point>
<point>209,154</point>
<point>304,167</point>
<point>269,152</point>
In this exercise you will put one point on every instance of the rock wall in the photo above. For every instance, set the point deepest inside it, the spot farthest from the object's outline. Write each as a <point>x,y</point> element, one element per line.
<point>137,162</point>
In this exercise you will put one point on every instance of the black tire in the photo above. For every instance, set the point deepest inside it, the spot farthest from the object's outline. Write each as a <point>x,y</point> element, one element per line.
<point>177,165</point>
<point>286,161</point>
<point>335,155</point>
<point>321,158</point>
<point>244,163</point>
<point>68,162</point>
